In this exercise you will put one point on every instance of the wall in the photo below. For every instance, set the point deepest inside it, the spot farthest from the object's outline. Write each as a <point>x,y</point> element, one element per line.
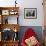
<point>26,4</point>
<point>32,4</point>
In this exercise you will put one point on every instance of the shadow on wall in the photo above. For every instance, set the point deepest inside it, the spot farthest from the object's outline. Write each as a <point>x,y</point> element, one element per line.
<point>37,29</point>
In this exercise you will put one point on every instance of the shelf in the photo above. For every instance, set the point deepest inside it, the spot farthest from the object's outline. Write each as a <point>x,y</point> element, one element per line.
<point>10,26</point>
<point>5,12</point>
<point>9,10</point>
<point>11,41</point>
<point>9,7</point>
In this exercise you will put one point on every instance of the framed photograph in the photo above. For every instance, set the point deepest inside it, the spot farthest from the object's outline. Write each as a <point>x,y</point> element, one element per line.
<point>30,13</point>
<point>5,12</point>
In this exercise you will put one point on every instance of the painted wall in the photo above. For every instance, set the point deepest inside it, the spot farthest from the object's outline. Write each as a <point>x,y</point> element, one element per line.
<point>32,4</point>
<point>26,4</point>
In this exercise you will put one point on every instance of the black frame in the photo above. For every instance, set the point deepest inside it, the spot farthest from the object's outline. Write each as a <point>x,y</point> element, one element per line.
<point>30,9</point>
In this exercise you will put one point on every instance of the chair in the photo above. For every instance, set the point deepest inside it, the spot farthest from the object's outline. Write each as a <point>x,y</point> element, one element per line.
<point>28,34</point>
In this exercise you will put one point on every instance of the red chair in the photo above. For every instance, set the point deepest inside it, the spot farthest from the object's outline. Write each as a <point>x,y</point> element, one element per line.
<point>29,33</point>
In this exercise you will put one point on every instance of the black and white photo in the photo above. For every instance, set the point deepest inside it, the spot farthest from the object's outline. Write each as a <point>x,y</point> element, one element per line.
<point>30,13</point>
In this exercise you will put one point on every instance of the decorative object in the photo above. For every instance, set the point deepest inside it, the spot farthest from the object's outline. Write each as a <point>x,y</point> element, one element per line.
<point>30,13</point>
<point>15,3</point>
<point>15,30</point>
<point>13,12</point>
<point>6,21</point>
<point>7,34</point>
<point>5,12</point>
<point>15,34</point>
<point>15,37</point>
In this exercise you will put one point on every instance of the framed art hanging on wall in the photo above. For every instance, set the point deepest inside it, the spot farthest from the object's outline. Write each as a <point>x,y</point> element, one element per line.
<point>30,13</point>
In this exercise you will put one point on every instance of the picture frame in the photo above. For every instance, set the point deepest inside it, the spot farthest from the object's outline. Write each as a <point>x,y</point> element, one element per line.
<point>30,13</point>
<point>13,12</point>
<point>5,12</point>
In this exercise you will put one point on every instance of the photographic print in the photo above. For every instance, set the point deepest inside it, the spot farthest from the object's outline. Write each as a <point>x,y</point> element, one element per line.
<point>5,12</point>
<point>30,13</point>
